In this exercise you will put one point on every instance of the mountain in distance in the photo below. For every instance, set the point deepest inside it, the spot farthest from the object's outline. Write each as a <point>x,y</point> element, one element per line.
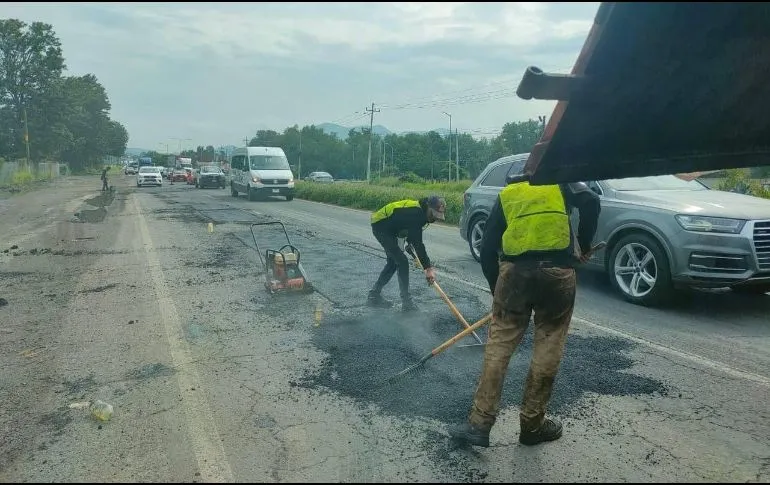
<point>342,131</point>
<point>135,152</point>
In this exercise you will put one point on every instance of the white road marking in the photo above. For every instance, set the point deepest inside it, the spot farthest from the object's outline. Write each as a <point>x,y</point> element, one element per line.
<point>681,354</point>
<point>204,436</point>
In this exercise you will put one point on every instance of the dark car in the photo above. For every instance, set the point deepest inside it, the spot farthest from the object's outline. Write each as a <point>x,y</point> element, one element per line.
<point>209,176</point>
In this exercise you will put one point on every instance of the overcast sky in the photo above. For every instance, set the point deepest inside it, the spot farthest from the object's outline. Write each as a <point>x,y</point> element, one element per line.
<point>216,73</point>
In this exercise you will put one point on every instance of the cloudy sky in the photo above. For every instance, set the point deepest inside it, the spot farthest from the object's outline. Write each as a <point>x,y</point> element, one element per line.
<point>216,73</point>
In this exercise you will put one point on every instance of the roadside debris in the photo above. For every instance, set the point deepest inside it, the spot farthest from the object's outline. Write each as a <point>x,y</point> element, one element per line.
<point>101,411</point>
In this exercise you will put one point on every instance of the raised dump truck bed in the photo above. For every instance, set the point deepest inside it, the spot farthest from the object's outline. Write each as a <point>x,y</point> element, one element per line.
<point>658,88</point>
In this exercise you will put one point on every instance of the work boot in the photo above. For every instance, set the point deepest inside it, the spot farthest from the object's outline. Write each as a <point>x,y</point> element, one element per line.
<point>550,430</point>
<point>376,300</point>
<point>467,433</point>
<point>408,306</point>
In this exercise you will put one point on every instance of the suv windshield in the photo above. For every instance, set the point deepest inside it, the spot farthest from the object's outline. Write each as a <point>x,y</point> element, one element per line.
<point>148,170</point>
<point>268,162</point>
<point>210,169</point>
<point>658,182</point>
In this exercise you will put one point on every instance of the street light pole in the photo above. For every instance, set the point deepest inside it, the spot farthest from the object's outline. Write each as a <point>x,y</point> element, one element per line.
<point>299,163</point>
<point>449,138</point>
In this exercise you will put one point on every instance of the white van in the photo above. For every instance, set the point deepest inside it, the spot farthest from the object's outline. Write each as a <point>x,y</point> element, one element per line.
<point>261,172</point>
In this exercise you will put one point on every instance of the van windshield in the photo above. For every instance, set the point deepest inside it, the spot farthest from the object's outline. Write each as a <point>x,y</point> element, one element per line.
<point>268,162</point>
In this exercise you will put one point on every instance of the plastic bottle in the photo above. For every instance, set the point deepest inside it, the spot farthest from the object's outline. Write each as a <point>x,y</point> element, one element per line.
<point>101,411</point>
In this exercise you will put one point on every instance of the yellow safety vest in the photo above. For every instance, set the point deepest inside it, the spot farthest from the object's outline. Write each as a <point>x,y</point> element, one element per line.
<point>537,218</point>
<point>387,210</point>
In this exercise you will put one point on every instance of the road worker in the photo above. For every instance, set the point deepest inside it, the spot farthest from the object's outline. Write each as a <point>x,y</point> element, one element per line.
<point>529,228</point>
<point>404,219</point>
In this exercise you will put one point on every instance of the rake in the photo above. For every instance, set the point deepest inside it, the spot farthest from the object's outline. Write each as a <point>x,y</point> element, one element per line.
<point>409,250</point>
<point>438,350</point>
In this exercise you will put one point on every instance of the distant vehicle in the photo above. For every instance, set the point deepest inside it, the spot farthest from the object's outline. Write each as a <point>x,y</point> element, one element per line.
<point>131,168</point>
<point>177,175</point>
<point>145,162</point>
<point>322,177</point>
<point>261,172</point>
<point>662,232</point>
<point>209,176</point>
<point>149,176</point>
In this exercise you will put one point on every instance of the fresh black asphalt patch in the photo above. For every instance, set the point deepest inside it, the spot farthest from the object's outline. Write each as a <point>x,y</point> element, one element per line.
<point>366,349</point>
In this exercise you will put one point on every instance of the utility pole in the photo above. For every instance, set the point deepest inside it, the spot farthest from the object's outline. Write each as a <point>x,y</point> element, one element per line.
<point>457,153</point>
<point>542,119</point>
<point>449,138</point>
<point>369,156</point>
<point>299,164</point>
<point>246,141</point>
<point>26,138</point>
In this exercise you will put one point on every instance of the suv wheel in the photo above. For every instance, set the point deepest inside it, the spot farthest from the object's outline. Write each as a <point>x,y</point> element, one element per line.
<point>475,233</point>
<point>639,270</point>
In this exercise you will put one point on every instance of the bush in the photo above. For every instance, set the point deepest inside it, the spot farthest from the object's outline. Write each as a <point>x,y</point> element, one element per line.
<point>22,177</point>
<point>738,180</point>
<point>373,197</point>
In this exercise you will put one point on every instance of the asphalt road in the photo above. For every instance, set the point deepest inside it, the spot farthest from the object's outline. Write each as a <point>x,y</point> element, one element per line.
<point>211,379</point>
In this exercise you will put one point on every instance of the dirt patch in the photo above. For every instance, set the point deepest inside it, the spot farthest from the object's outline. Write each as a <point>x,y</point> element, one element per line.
<point>57,420</point>
<point>102,200</point>
<point>150,371</point>
<point>99,289</point>
<point>91,215</point>
<point>80,385</point>
<point>184,214</point>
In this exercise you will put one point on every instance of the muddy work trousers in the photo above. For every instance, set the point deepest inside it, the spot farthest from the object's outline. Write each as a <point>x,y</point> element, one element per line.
<point>397,261</point>
<point>522,288</point>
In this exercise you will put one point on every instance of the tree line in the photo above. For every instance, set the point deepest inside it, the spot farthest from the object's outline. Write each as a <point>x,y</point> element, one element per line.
<point>422,154</point>
<point>66,118</point>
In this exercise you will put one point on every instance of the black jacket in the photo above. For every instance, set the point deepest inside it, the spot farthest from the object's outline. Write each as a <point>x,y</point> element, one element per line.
<point>406,222</point>
<point>577,196</point>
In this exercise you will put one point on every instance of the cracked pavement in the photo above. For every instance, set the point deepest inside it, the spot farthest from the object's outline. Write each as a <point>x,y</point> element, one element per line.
<point>212,379</point>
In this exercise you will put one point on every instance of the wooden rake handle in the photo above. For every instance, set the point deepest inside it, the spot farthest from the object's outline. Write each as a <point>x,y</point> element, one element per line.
<point>462,334</point>
<point>444,296</point>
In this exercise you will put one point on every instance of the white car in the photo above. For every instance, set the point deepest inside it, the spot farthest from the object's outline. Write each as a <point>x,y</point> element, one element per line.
<point>149,176</point>
<point>323,177</point>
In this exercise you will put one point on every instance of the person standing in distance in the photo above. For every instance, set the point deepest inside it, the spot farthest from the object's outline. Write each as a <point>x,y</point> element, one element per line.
<point>530,227</point>
<point>403,219</point>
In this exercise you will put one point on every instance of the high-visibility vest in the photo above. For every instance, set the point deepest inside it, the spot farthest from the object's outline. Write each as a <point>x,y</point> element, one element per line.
<point>537,219</point>
<point>387,210</point>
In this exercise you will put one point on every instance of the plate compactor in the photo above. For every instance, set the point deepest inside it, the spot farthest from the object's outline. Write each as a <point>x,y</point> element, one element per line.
<point>283,271</point>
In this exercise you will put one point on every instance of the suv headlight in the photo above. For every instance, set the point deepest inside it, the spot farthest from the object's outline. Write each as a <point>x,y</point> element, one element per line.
<point>710,224</point>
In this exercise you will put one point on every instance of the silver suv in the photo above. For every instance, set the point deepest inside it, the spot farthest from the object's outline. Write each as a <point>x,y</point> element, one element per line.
<point>662,232</point>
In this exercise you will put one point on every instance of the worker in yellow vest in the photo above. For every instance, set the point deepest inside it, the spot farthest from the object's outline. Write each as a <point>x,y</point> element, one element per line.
<point>528,256</point>
<point>403,219</point>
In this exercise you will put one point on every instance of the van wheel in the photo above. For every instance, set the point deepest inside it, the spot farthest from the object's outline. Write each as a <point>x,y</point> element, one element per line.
<point>289,198</point>
<point>233,192</point>
<point>251,194</point>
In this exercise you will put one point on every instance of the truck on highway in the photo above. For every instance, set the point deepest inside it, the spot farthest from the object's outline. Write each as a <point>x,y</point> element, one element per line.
<point>145,162</point>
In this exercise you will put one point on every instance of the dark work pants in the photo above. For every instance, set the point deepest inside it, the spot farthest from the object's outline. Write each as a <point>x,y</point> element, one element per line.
<point>397,261</point>
<point>520,289</point>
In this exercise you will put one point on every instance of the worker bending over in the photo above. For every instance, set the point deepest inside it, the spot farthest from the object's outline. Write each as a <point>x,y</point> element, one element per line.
<point>535,271</point>
<point>403,219</point>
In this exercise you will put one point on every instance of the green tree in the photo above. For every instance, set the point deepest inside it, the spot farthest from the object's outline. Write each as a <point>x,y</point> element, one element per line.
<point>31,63</point>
